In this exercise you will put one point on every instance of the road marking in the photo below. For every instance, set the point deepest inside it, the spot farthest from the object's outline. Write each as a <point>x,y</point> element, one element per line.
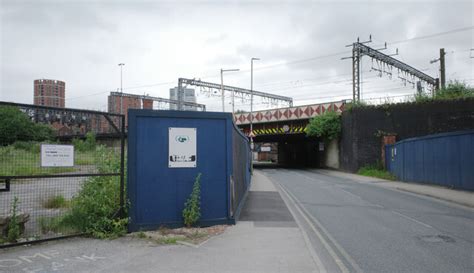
<point>412,219</point>
<point>354,265</point>
<point>307,241</point>
<point>326,245</point>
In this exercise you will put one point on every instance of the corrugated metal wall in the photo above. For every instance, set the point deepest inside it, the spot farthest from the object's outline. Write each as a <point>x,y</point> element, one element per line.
<point>443,159</point>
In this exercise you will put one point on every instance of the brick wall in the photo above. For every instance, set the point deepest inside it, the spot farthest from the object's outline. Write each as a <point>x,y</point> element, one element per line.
<point>364,127</point>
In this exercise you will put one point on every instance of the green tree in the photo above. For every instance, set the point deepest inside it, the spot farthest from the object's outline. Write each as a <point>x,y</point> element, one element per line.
<point>16,126</point>
<point>326,126</point>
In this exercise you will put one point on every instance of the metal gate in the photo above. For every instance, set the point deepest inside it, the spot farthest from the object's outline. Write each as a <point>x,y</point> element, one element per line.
<point>41,176</point>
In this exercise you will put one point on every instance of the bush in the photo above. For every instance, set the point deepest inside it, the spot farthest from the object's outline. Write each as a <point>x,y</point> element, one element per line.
<point>29,146</point>
<point>93,210</point>
<point>455,90</point>
<point>326,126</point>
<point>17,126</point>
<point>89,144</point>
<point>192,207</point>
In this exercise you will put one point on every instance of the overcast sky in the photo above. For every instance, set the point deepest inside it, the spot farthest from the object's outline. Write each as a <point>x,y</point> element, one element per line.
<point>300,44</point>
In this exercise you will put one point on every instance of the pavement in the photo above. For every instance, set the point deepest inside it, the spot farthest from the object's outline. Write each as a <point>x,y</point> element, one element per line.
<point>266,239</point>
<point>294,221</point>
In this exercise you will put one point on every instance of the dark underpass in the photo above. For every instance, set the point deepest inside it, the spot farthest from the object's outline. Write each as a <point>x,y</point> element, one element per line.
<point>293,150</point>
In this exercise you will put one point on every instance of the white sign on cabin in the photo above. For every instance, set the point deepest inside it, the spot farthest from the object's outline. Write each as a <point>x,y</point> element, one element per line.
<point>182,148</point>
<point>53,155</point>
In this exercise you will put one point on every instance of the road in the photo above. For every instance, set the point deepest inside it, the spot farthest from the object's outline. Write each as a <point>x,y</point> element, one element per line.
<point>357,226</point>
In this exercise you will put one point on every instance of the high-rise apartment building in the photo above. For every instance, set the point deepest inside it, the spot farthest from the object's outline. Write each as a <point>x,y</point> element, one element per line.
<point>187,96</point>
<point>49,93</point>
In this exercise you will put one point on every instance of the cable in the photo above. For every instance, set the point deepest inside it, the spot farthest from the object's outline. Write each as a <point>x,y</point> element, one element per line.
<point>431,35</point>
<point>297,61</point>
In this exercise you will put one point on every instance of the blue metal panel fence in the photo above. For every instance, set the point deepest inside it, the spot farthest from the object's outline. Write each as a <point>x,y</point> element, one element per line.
<point>443,159</point>
<point>157,192</point>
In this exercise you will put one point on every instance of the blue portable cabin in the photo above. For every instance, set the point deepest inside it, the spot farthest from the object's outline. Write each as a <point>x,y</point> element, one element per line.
<point>157,192</point>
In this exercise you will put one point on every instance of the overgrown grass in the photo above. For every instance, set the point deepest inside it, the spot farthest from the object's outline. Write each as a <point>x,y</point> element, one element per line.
<point>167,240</point>
<point>23,158</point>
<point>56,225</point>
<point>24,162</point>
<point>56,202</point>
<point>375,171</point>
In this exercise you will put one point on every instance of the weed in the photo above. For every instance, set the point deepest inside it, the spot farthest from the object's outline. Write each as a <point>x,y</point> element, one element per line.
<point>56,225</point>
<point>56,202</point>
<point>376,171</point>
<point>141,235</point>
<point>167,240</point>
<point>13,233</point>
<point>192,207</point>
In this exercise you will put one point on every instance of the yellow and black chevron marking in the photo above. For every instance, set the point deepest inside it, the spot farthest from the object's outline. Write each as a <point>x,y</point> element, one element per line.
<point>274,131</point>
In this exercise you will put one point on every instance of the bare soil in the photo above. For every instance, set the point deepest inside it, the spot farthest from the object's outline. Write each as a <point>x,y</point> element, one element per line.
<point>194,235</point>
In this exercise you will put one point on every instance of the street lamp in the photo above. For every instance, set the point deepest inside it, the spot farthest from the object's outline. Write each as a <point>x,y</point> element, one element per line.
<point>121,87</point>
<point>251,103</point>
<point>222,88</point>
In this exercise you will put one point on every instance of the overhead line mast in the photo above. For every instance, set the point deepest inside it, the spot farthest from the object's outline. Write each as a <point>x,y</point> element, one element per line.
<point>359,49</point>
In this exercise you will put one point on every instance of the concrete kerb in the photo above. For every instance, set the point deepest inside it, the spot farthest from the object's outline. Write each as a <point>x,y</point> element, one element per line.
<point>302,219</point>
<point>261,183</point>
<point>458,197</point>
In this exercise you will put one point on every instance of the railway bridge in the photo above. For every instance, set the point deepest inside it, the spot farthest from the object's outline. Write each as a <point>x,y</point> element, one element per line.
<point>284,129</point>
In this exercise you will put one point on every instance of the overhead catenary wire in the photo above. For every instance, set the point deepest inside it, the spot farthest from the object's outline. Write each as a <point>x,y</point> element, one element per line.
<point>294,62</point>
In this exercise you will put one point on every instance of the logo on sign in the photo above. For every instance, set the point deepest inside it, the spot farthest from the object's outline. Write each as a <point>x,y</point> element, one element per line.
<point>182,139</point>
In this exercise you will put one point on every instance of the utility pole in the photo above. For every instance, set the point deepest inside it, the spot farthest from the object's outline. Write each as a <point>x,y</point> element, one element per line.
<point>251,110</point>
<point>121,87</point>
<point>442,67</point>
<point>442,70</point>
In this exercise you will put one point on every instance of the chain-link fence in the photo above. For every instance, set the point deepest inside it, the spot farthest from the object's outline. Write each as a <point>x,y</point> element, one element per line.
<point>50,161</point>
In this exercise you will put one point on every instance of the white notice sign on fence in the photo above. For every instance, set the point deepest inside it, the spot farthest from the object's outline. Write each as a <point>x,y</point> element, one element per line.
<point>182,148</point>
<point>57,155</point>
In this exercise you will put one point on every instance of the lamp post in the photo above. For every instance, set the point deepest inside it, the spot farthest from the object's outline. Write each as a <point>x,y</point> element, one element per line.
<point>121,87</point>
<point>251,104</point>
<point>222,88</point>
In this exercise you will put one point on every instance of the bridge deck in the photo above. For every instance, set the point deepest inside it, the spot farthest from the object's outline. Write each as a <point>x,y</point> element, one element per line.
<point>288,113</point>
